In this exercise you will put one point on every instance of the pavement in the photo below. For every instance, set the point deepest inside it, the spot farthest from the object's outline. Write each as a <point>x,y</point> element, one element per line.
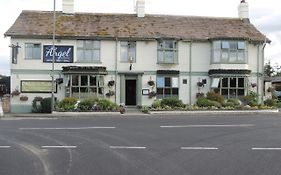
<point>1,109</point>
<point>136,112</point>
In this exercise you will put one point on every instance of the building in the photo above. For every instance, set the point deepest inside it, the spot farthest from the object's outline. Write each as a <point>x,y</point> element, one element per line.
<point>129,58</point>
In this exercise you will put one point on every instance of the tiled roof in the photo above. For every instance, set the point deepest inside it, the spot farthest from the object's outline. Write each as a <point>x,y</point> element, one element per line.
<point>38,24</point>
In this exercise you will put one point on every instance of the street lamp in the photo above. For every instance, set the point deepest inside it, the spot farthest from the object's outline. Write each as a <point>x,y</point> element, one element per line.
<point>53,58</point>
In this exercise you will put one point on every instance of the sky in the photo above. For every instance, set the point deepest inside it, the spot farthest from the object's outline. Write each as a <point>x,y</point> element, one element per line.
<point>264,14</point>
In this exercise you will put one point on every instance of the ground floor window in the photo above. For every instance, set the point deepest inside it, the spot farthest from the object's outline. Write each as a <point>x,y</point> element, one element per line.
<point>167,87</point>
<point>230,87</point>
<point>84,86</point>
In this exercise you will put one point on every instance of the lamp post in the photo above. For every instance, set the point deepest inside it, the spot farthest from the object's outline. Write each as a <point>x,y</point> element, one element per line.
<point>53,58</point>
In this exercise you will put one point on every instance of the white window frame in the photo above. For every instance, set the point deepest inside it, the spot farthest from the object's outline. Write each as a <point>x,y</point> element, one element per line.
<point>162,50</point>
<point>129,48</point>
<point>34,51</point>
<point>93,50</point>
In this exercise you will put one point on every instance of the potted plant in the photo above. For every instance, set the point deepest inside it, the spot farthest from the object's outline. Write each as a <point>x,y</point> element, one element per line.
<point>200,84</point>
<point>253,85</point>
<point>111,83</point>
<point>270,89</point>
<point>23,98</point>
<point>151,83</point>
<point>110,93</point>
<point>15,92</point>
<point>152,94</point>
<point>199,94</point>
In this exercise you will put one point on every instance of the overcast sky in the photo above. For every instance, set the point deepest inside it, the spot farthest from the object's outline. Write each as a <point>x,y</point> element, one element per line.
<point>264,14</point>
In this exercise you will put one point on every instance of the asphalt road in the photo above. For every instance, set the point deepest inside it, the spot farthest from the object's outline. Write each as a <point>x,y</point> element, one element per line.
<point>144,145</point>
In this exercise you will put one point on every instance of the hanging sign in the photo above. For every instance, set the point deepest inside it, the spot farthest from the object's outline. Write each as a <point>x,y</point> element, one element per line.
<point>63,54</point>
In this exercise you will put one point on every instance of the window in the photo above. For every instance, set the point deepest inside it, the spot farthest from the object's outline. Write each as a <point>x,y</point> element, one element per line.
<point>167,51</point>
<point>229,52</point>
<point>32,51</point>
<point>84,86</point>
<point>167,87</point>
<point>88,51</point>
<point>128,51</point>
<point>229,87</point>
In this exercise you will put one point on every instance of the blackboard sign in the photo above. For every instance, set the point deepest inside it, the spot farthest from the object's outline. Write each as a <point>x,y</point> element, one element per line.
<point>63,54</point>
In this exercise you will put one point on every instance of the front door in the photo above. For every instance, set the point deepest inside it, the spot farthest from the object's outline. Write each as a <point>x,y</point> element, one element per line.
<point>131,93</point>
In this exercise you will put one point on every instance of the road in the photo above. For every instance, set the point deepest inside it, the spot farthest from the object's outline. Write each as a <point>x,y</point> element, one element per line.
<point>142,145</point>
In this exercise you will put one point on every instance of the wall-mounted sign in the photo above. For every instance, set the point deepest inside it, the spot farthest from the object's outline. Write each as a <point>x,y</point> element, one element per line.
<point>145,91</point>
<point>63,54</point>
<point>37,86</point>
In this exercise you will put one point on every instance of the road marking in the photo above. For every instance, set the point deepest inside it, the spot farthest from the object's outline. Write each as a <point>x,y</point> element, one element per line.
<point>28,118</point>
<point>201,126</point>
<point>5,146</point>
<point>59,146</point>
<point>127,147</point>
<point>199,148</point>
<point>266,148</point>
<point>76,128</point>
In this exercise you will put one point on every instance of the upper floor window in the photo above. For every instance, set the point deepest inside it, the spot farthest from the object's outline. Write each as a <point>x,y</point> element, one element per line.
<point>128,51</point>
<point>167,51</point>
<point>32,51</point>
<point>88,51</point>
<point>229,52</point>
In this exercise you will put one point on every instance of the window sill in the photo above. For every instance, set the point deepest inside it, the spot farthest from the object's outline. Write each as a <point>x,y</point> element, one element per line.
<point>89,62</point>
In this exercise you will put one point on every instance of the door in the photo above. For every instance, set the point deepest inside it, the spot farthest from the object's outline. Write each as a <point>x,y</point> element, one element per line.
<point>131,95</point>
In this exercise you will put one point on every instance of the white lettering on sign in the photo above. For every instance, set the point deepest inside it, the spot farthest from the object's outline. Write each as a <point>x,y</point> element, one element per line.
<point>59,55</point>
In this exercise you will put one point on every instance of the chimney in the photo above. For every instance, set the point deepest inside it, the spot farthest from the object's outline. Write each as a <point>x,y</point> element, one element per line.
<point>243,11</point>
<point>140,5</point>
<point>68,6</point>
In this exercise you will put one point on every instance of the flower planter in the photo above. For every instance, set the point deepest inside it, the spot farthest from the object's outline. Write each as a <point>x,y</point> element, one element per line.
<point>111,83</point>
<point>151,83</point>
<point>23,98</point>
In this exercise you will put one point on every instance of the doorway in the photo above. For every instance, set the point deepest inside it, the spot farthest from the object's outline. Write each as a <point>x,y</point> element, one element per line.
<point>131,96</point>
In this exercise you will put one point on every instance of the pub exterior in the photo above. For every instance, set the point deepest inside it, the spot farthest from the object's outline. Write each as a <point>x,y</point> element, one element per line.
<point>134,58</point>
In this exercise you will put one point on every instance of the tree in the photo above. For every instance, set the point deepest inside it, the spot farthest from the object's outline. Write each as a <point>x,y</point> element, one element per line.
<point>268,69</point>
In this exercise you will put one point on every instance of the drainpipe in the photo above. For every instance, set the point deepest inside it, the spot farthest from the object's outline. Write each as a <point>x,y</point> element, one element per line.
<point>116,62</point>
<point>190,66</point>
<point>258,71</point>
<point>263,46</point>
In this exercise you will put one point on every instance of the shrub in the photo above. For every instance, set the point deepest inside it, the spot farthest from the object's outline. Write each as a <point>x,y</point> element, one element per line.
<point>251,99</point>
<point>156,104</point>
<point>215,104</point>
<point>203,102</point>
<point>215,97</point>
<point>145,109</point>
<point>67,104</point>
<point>172,102</point>
<point>105,104</point>
<point>36,105</point>
<point>46,105</point>
<point>88,103</point>
<point>270,102</point>
<point>235,101</point>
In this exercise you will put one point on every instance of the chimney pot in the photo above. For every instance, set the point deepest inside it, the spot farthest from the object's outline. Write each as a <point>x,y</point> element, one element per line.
<point>68,6</point>
<point>140,6</point>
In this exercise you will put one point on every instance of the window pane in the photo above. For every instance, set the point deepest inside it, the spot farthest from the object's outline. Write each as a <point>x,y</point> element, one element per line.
<point>80,43</point>
<point>224,56</point>
<point>83,89</point>
<point>241,82</point>
<point>241,92</point>
<point>75,80</point>
<point>167,82</point>
<point>96,56</point>
<point>75,90</point>
<point>224,92</point>
<point>160,82</point>
<point>93,80</point>
<point>232,82</point>
<point>241,56</point>
<point>175,91</point>
<point>233,45</point>
<point>160,56</point>
<point>84,80</point>
<point>169,56</point>
<point>215,83</point>
<point>175,82</point>
<point>37,52</point>
<point>169,44</point>
<point>88,55</point>
<point>216,45</point>
<point>88,44</point>
<point>96,44</point>
<point>80,54</point>
<point>93,90</point>
<point>225,45</point>
<point>232,56</point>
<point>167,92</point>
<point>124,54</point>
<point>160,91</point>
<point>28,52</point>
<point>217,55</point>
<point>232,93</point>
<point>225,82</point>
<point>241,45</point>
<point>101,91</point>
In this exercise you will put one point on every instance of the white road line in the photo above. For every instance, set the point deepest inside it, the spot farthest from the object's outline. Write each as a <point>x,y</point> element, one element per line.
<point>58,146</point>
<point>199,148</point>
<point>201,126</point>
<point>29,118</point>
<point>75,128</point>
<point>127,147</point>
<point>5,146</point>
<point>266,148</point>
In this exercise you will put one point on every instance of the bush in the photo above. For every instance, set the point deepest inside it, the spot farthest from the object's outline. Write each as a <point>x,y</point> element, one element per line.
<point>46,105</point>
<point>105,104</point>
<point>172,102</point>
<point>204,102</point>
<point>88,103</point>
<point>215,97</point>
<point>156,104</point>
<point>36,105</point>
<point>67,104</point>
<point>251,99</point>
<point>270,102</point>
<point>235,101</point>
